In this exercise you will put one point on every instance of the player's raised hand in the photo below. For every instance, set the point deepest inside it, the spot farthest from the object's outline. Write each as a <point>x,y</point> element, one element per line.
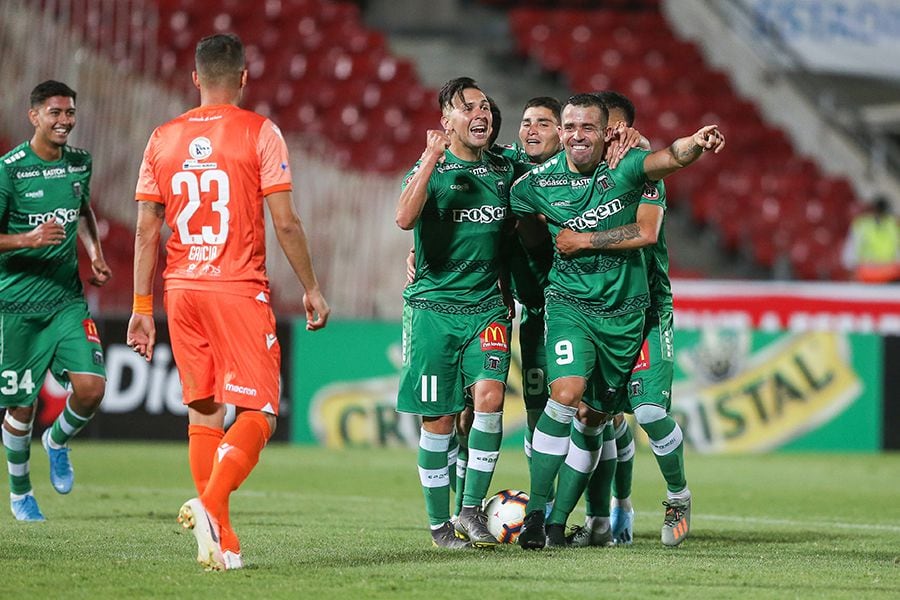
<point>101,272</point>
<point>710,138</point>
<point>49,233</point>
<point>621,139</point>
<point>141,335</point>
<point>317,310</point>
<point>436,142</point>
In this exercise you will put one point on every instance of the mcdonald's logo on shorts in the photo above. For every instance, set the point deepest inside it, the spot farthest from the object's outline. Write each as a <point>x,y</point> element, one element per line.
<point>494,338</point>
<point>90,331</point>
<point>643,361</point>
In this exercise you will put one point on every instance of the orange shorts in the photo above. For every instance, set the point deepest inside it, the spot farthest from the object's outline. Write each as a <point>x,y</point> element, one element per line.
<point>225,346</point>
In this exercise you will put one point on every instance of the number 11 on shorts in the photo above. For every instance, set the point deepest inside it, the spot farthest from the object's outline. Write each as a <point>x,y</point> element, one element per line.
<point>429,388</point>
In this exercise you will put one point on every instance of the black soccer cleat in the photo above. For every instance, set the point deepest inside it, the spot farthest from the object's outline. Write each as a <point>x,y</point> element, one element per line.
<point>533,536</point>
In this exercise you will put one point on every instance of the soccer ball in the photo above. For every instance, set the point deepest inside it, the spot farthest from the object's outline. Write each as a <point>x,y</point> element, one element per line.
<point>505,511</point>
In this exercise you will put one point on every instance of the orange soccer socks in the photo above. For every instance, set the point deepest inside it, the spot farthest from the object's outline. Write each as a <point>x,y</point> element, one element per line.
<point>202,444</point>
<point>234,459</point>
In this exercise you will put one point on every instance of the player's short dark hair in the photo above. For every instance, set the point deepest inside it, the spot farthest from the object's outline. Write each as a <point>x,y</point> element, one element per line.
<point>49,89</point>
<point>611,100</point>
<point>496,121</point>
<point>219,58</point>
<point>454,89</point>
<point>587,100</point>
<point>548,102</point>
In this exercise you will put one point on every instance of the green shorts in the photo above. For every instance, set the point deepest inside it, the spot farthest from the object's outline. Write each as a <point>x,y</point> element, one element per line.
<point>65,341</point>
<point>602,348</point>
<point>651,378</point>
<point>444,354</point>
<point>534,358</point>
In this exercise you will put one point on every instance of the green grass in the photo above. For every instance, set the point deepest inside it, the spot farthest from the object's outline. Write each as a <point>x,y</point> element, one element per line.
<point>316,523</point>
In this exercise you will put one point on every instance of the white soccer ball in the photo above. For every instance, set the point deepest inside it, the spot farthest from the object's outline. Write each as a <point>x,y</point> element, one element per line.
<point>505,511</point>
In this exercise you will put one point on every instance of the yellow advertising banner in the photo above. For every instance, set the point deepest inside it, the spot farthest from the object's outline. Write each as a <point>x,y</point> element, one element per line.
<point>781,392</point>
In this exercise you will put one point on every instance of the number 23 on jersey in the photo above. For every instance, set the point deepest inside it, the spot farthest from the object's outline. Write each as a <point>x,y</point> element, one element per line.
<point>191,227</point>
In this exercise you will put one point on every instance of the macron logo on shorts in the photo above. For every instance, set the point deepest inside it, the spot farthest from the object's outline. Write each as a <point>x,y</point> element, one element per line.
<point>240,389</point>
<point>270,340</point>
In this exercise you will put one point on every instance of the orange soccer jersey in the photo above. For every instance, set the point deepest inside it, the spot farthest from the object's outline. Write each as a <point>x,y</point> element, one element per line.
<point>211,168</point>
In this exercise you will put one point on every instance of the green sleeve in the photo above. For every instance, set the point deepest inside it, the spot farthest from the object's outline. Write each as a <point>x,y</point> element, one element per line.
<point>86,196</point>
<point>519,201</point>
<point>632,167</point>
<point>87,182</point>
<point>409,175</point>
<point>654,193</point>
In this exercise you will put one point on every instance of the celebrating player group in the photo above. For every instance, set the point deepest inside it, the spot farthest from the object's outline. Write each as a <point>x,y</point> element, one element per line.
<point>569,222</point>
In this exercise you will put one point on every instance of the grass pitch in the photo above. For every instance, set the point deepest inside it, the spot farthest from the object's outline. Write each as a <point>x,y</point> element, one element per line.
<point>323,524</point>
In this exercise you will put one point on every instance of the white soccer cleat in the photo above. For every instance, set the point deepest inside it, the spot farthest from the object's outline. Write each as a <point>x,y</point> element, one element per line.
<point>677,521</point>
<point>193,516</point>
<point>596,532</point>
<point>232,560</point>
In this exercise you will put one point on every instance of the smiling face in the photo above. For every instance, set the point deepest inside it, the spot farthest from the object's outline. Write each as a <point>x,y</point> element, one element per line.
<point>468,122</point>
<point>539,133</point>
<point>53,121</point>
<point>583,131</point>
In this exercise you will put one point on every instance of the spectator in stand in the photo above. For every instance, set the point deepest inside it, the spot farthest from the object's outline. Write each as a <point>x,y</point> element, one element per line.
<point>872,249</point>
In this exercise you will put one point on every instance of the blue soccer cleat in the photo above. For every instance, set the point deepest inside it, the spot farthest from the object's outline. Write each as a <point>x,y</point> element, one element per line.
<point>26,509</point>
<point>62,476</point>
<point>622,525</point>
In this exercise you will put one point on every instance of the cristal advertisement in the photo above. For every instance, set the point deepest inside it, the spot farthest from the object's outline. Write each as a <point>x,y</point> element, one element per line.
<point>735,390</point>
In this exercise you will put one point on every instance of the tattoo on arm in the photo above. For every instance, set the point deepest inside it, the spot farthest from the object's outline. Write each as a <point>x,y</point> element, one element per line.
<point>685,153</point>
<point>612,237</point>
<point>154,207</point>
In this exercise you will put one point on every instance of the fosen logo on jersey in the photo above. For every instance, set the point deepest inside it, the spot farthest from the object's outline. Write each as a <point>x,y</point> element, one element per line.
<point>479,214</point>
<point>200,148</point>
<point>591,218</point>
<point>494,338</point>
<point>63,216</point>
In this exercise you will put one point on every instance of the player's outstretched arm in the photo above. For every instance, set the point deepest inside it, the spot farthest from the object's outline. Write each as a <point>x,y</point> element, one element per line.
<point>141,336</point>
<point>49,233</point>
<point>683,152</point>
<point>90,237</point>
<point>292,238</point>
<point>641,233</point>
<point>413,197</point>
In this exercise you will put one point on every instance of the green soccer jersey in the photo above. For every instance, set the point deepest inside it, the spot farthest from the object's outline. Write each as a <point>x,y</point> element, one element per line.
<point>528,271</point>
<point>33,191</point>
<point>606,283</point>
<point>458,236</point>
<point>522,163</point>
<point>657,258</point>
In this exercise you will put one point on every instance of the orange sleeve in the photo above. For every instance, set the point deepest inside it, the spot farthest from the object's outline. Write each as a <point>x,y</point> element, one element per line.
<point>147,186</point>
<point>274,170</point>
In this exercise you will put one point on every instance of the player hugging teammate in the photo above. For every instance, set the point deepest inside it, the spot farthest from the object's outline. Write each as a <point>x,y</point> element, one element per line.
<point>602,202</point>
